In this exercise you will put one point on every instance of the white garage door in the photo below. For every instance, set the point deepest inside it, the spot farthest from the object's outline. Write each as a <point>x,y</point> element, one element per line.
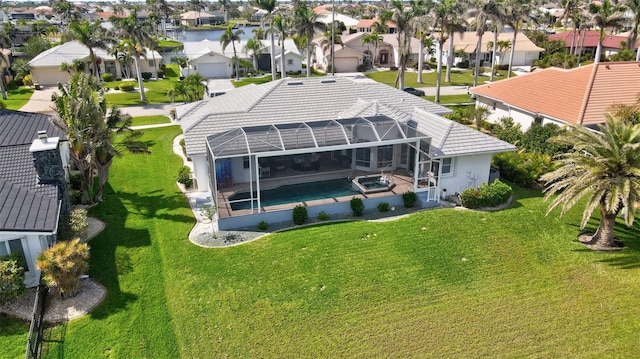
<point>49,75</point>
<point>346,64</point>
<point>216,70</point>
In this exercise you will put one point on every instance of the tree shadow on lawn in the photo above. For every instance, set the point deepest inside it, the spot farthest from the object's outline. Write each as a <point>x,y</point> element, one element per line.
<point>157,205</point>
<point>629,257</point>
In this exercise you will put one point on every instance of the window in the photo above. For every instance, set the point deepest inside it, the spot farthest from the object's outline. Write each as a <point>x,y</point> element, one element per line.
<point>152,63</point>
<point>447,166</point>
<point>290,62</point>
<point>404,153</point>
<point>245,162</point>
<point>363,157</point>
<point>385,156</point>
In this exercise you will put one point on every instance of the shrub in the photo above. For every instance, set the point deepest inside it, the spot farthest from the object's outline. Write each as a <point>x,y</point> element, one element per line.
<point>78,224</point>
<point>62,265</point>
<point>263,225</point>
<point>409,198</point>
<point>383,207</point>
<point>357,206</point>
<point>536,139</point>
<point>361,68</point>
<point>146,75</point>
<point>127,86</point>
<point>507,130</point>
<point>107,77</point>
<point>75,181</point>
<point>463,64</point>
<point>323,216</point>
<point>27,80</point>
<point>491,195</point>
<point>118,79</point>
<point>523,168</point>
<point>184,176</point>
<point>300,214</point>
<point>160,74</point>
<point>393,68</point>
<point>76,197</point>
<point>11,278</point>
<point>412,65</point>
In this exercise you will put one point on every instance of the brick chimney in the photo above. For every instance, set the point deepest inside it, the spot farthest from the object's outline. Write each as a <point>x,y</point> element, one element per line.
<point>48,164</point>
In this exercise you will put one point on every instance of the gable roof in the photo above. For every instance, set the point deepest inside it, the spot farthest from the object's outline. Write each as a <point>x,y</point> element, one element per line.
<point>197,49</point>
<point>580,95</point>
<point>327,98</point>
<point>589,38</point>
<point>25,205</point>
<point>71,50</point>
<point>468,41</point>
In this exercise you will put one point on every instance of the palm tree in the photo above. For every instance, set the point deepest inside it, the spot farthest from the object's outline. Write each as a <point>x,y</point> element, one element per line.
<point>281,25</point>
<point>182,61</point>
<point>138,36</point>
<point>230,37</point>
<point>196,83</point>
<point>269,6</point>
<point>63,264</point>
<point>441,15</point>
<point>80,117</point>
<point>604,168</point>
<point>226,6</point>
<point>421,29</point>
<point>484,11</point>
<point>454,24</point>
<point>634,7</point>
<point>607,15</point>
<point>518,13</point>
<point>197,5</point>
<point>93,36</point>
<point>255,46</point>
<point>305,21</point>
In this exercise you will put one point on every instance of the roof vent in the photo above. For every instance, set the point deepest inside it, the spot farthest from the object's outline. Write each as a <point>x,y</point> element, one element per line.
<point>294,83</point>
<point>328,81</point>
<point>42,135</point>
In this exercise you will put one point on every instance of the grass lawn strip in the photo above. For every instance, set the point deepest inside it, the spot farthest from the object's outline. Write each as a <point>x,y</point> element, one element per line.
<point>18,97</point>
<point>458,78</point>
<point>150,120</point>
<point>506,283</point>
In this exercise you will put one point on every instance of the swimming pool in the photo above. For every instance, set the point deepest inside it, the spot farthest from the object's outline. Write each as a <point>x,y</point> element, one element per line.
<point>292,193</point>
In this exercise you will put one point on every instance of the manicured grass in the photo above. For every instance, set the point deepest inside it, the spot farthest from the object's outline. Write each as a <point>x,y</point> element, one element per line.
<point>439,283</point>
<point>156,92</point>
<point>252,80</point>
<point>18,97</point>
<point>169,43</point>
<point>458,78</point>
<point>451,99</point>
<point>150,120</point>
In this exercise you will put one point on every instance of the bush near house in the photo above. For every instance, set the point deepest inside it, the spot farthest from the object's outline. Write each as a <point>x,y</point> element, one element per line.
<point>357,206</point>
<point>11,278</point>
<point>127,86</point>
<point>62,265</point>
<point>107,77</point>
<point>300,214</point>
<point>485,195</point>
<point>409,198</point>
<point>146,75</point>
<point>184,176</point>
<point>523,168</point>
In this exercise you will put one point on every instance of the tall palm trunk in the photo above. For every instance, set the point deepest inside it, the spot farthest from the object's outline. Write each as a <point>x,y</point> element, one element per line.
<point>103,175</point>
<point>599,48</point>
<point>450,58</point>
<point>283,71</point>
<point>478,53</point>
<point>308,56</point>
<point>439,72</point>
<point>494,53</point>
<point>420,59</point>
<point>513,51</point>
<point>604,236</point>
<point>136,58</point>
<point>235,59</point>
<point>274,74</point>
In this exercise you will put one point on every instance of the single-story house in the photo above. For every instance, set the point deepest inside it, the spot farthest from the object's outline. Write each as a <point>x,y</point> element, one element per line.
<point>300,131</point>
<point>587,41</point>
<point>33,193</point>
<point>208,59</point>
<point>45,68</point>
<point>353,52</point>
<point>367,25</point>
<point>524,54</point>
<point>580,96</point>
<point>193,18</point>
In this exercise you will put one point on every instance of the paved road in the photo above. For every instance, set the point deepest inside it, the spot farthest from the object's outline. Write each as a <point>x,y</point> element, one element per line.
<point>446,90</point>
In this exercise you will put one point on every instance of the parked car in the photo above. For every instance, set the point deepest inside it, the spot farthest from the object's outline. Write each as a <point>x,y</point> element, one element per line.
<point>413,91</point>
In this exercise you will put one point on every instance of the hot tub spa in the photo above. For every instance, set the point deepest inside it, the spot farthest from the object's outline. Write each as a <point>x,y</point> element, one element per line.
<point>372,184</point>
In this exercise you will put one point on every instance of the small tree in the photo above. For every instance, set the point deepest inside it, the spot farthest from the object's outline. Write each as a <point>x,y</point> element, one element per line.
<point>62,265</point>
<point>11,279</point>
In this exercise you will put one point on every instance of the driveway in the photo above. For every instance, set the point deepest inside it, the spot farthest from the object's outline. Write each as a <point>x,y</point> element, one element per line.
<point>219,86</point>
<point>40,101</point>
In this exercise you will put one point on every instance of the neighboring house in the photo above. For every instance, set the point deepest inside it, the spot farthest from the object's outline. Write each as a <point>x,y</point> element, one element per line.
<point>193,18</point>
<point>351,127</point>
<point>45,68</point>
<point>349,22</point>
<point>524,54</point>
<point>353,53</point>
<point>207,58</point>
<point>33,192</point>
<point>367,25</point>
<point>579,96</point>
<point>587,41</point>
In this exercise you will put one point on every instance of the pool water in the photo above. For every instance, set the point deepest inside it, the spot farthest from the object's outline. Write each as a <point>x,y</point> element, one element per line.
<point>292,193</point>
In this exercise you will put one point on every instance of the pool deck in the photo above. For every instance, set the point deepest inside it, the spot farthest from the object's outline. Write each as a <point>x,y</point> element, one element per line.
<point>402,180</point>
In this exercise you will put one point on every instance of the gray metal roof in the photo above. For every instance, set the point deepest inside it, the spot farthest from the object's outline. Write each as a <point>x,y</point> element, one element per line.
<point>71,50</point>
<point>20,128</point>
<point>291,101</point>
<point>25,205</point>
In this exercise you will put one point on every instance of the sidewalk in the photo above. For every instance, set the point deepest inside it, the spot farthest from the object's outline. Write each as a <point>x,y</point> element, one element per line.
<point>445,90</point>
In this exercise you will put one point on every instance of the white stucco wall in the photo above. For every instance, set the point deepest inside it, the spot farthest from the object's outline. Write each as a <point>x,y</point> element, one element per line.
<point>468,171</point>
<point>296,62</point>
<point>200,169</point>
<point>519,116</point>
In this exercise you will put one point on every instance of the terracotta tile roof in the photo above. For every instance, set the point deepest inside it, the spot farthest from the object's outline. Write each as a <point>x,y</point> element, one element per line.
<point>366,23</point>
<point>590,39</point>
<point>580,95</point>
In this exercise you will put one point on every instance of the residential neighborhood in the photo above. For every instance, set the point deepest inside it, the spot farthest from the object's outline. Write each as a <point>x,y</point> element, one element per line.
<point>319,179</point>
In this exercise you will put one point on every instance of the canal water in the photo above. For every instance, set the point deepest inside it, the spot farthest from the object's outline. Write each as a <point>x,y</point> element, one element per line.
<point>211,35</point>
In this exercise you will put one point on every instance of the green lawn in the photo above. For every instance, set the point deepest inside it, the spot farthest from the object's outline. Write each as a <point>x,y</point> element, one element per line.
<point>156,90</point>
<point>150,120</point>
<point>501,284</point>
<point>18,97</point>
<point>451,99</point>
<point>458,78</point>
